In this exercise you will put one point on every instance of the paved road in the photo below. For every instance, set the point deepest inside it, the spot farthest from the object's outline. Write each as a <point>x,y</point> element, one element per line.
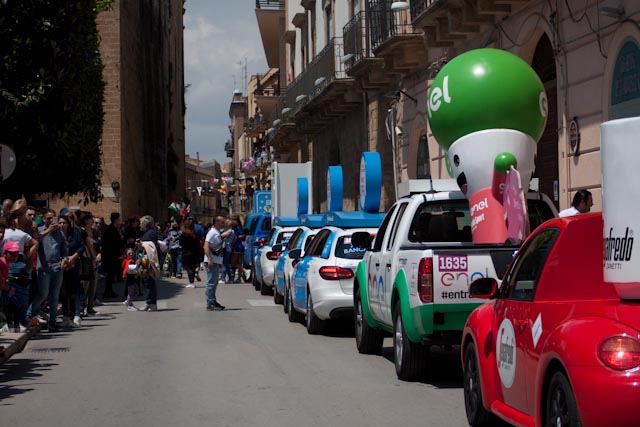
<point>245,366</point>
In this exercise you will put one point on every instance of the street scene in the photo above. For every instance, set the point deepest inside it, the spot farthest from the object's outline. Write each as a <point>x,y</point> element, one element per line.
<point>322,213</point>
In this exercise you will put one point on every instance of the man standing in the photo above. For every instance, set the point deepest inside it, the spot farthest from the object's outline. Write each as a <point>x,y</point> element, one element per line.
<point>112,244</point>
<point>213,250</point>
<point>582,202</point>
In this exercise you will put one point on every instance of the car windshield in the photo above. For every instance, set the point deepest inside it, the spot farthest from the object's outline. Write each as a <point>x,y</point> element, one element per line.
<point>344,249</point>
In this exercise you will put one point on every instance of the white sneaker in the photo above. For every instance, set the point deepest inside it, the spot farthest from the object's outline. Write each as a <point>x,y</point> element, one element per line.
<point>40,319</point>
<point>220,282</point>
<point>132,308</point>
<point>77,322</point>
<point>125,302</point>
<point>190,285</point>
<point>20,329</point>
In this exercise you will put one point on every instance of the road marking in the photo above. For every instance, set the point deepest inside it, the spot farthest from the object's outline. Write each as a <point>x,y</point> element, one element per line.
<point>261,303</point>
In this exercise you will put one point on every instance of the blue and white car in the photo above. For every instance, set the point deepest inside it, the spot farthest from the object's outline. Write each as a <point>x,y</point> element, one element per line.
<point>284,268</point>
<point>321,286</point>
<point>266,258</point>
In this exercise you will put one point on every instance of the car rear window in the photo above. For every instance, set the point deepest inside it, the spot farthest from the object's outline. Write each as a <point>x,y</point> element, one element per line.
<point>266,224</point>
<point>283,238</point>
<point>344,249</point>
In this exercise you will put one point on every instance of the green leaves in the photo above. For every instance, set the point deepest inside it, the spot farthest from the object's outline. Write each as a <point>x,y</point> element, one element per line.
<point>51,95</point>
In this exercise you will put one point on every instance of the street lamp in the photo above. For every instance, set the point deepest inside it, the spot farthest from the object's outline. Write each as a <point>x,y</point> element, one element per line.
<point>276,122</point>
<point>399,5</point>
<point>286,110</point>
<point>300,98</point>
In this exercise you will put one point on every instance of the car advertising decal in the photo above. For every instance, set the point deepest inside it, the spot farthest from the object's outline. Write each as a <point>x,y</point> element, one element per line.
<point>454,273</point>
<point>506,353</point>
<point>536,332</point>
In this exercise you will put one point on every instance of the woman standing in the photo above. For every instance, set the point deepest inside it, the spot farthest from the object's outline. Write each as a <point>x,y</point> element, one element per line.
<point>71,277</point>
<point>190,245</point>
<point>149,242</point>
<point>175,250</point>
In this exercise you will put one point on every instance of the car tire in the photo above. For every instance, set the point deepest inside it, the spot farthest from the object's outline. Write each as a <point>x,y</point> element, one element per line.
<point>561,408</point>
<point>409,358</point>
<point>368,339</point>
<point>277,298</point>
<point>315,325</point>
<point>264,289</point>
<point>292,314</point>
<point>477,415</point>
<point>254,280</point>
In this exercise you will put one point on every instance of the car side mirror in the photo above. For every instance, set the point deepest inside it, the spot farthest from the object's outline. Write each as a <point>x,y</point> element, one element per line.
<point>295,253</point>
<point>277,248</point>
<point>361,239</point>
<point>485,288</point>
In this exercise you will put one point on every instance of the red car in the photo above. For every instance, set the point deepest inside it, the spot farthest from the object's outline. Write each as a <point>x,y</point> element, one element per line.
<point>555,346</point>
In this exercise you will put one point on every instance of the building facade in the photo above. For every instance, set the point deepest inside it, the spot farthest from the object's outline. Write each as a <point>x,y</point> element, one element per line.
<point>143,142</point>
<point>201,180</point>
<point>354,76</point>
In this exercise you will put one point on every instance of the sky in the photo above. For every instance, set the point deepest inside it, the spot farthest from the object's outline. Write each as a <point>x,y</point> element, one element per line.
<point>218,37</point>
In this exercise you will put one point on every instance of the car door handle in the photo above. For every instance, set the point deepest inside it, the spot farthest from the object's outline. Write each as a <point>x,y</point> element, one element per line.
<point>377,265</point>
<point>388,267</point>
<point>521,325</point>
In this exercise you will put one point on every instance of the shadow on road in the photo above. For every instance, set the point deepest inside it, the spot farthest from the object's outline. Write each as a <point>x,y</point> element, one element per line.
<point>444,369</point>
<point>23,369</point>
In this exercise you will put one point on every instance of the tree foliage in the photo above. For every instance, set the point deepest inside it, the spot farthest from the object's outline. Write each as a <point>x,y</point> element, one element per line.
<point>51,96</point>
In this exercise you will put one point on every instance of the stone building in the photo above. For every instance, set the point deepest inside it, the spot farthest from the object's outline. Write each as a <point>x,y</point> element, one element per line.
<point>354,75</point>
<point>201,179</point>
<point>143,141</point>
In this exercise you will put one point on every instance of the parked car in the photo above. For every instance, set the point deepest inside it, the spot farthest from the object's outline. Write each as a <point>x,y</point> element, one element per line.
<point>555,345</point>
<point>266,257</point>
<point>258,226</point>
<point>322,281</point>
<point>300,239</point>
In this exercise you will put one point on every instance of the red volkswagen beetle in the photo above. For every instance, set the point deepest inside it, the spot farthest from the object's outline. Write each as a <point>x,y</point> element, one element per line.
<point>556,346</point>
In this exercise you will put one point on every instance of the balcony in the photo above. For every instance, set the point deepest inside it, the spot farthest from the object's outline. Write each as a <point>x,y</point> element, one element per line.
<point>359,61</point>
<point>447,23</point>
<point>270,15</point>
<point>394,38</point>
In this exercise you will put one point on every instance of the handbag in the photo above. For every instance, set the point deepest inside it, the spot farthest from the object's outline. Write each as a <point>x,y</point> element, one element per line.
<point>133,269</point>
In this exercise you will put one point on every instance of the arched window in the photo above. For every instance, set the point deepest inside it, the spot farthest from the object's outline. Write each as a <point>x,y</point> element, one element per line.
<point>423,165</point>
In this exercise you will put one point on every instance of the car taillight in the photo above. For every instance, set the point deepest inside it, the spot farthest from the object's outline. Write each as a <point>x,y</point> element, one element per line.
<point>620,353</point>
<point>273,255</point>
<point>425,280</point>
<point>335,273</point>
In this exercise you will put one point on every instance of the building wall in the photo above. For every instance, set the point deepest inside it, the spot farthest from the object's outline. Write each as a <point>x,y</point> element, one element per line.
<point>340,144</point>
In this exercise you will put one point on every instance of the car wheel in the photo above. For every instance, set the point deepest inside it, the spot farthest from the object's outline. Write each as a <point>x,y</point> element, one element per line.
<point>277,298</point>
<point>561,409</point>
<point>477,415</point>
<point>254,280</point>
<point>292,314</point>
<point>264,289</point>
<point>410,358</point>
<point>315,325</point>
<point>368,339</point>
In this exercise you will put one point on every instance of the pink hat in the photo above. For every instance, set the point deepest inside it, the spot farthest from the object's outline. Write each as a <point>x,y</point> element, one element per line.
<point>11,246</point>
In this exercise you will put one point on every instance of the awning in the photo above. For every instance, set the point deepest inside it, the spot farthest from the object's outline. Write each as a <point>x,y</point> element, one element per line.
<point>353,219</point>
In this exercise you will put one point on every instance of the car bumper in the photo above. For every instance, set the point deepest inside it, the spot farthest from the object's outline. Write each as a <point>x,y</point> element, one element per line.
<point>606,397</point>
<point>330,302</point>
<point>268,275</point>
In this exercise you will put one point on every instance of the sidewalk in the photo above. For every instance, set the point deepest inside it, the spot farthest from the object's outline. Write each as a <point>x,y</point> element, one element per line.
<point>12,343</point>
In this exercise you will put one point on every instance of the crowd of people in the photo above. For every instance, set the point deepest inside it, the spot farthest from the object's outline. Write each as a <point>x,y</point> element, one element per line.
<point>52,262</point>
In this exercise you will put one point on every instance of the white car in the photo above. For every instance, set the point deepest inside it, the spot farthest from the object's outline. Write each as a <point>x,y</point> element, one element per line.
<point>269,258</point>
<point>322,282</point>
<point>301,239</point>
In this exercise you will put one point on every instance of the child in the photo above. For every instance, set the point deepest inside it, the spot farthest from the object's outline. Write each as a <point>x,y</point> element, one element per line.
<point>130,279</point>
<point>15,293</point>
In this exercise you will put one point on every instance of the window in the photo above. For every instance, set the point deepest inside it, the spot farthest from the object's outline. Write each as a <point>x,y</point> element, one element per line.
<point>523,277</point>
<point>423,164</point>
<point>441,221</point>
<point>270,235</point>
<point>344,249</point>
<point>295,237</point>
<point>396,224</point>
<point>314,50</point>
<point>317,244</point>
<point>381,231</point>
<point>266,224</point>
<point>283,237</point>
<point>354,9</point>
<point>307,243</point>
<point>328,13</point>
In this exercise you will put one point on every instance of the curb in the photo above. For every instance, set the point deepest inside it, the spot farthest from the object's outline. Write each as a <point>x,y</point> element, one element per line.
<point>15,342</point>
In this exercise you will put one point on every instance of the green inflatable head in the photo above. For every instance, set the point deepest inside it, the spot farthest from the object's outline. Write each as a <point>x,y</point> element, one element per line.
<point>486,89</point>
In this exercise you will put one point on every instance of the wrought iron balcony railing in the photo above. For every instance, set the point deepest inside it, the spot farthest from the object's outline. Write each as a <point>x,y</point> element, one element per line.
<point>420,6</point>
<point>270,4</point>
<point>386,23</point>
<point>356,40</point>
